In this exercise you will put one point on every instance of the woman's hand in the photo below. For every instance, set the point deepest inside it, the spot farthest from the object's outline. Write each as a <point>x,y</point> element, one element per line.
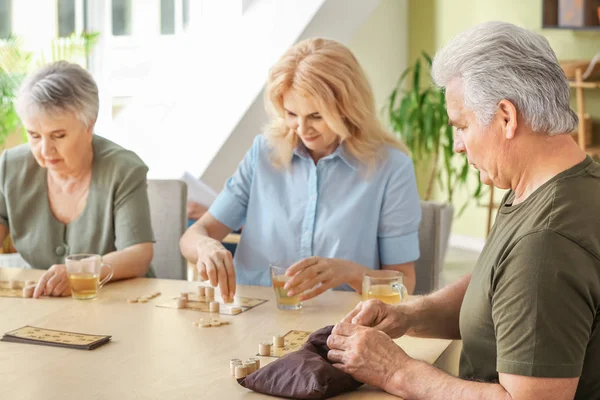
<point>215,263</point>
<point>315,275</point>
<point>54,282</point>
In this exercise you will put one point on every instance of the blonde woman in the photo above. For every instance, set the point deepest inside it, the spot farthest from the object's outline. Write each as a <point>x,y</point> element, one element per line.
<point>326,186</point>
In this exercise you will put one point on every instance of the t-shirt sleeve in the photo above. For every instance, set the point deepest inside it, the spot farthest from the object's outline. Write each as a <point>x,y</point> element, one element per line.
<point>400,216</point>
<point>231,205</point>
<point>3,206</point>
<point>543,306</point>
<point>132,210</point>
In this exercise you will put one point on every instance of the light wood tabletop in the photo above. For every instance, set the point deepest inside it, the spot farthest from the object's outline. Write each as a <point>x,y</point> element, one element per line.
<point>157,353</point>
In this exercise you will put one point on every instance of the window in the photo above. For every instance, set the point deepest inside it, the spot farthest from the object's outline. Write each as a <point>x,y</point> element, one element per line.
<point>167,17</point>
<point>66,17</point>
<point>121,17</point>
<point>185,11</point>
<point>5,18</point>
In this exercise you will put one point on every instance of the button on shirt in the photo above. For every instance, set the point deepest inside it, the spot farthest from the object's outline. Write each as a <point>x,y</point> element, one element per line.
<point>334,209</point>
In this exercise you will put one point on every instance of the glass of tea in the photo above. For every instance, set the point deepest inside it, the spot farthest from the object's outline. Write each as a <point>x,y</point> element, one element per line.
<point>387,286</point>
<point>278,277</point>
<point>84,275</point>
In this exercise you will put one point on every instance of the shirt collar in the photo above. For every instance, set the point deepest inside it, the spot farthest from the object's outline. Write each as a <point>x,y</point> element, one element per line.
<point>340,152</point>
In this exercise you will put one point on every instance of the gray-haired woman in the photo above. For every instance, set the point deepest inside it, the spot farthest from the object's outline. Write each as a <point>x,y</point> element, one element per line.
<point>69,191</point>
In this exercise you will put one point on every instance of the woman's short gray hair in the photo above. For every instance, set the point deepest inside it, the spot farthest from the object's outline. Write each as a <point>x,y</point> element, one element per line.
<point>59,87</point>
<point>497,61</point>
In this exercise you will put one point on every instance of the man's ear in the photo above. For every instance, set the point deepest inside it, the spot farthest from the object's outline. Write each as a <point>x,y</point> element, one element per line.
<point>507,114</point>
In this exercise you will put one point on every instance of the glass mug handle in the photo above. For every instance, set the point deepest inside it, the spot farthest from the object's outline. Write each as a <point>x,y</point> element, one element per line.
<point>107,277</point>
<point>401,289</point>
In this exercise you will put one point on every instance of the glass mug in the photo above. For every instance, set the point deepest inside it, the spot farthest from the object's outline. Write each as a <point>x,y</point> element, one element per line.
<point>387,286</point>
<point>278,278</point>
<point>84,275</point>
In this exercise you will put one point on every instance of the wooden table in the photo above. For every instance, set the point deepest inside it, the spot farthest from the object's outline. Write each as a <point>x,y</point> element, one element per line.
<point>157,353</point>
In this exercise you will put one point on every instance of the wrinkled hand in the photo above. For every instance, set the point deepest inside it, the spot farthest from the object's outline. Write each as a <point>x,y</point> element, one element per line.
<point>387,318</point>
<point>215,263</point>
<point>195,210</point>
<point>54,282</point>
<point>315,275</point>
<point>367,354</point>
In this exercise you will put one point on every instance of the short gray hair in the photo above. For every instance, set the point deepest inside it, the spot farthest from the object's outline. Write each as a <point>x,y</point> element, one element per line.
<point>498,61</point>
<point>59,87</point>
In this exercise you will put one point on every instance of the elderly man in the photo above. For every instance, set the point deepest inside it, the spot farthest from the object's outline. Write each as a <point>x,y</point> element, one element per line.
<point>528,314</point>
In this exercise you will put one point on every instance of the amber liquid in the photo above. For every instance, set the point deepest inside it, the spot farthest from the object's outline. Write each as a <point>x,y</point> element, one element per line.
<point>283,300</point>
<point>84,286</point>
<point>385,293</point>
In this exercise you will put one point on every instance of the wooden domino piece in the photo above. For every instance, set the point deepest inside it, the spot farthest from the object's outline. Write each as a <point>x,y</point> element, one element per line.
<point>225,322</point>
<point>241,371</point>
<point>233,363</point>
<point>14,284</point>
<point>28,291</point>
<point>214,307</point>
<point>264,349</point>
<point>209,293</point>
<point>200,291</point>
<point>236,310</point>
<point>29,283</point>
<point>215,323</point>
<point>184,295</point>
<point>250,366</point>
<point>204,323</point>
<point>142,300</point>
<point>278,341</point>
<point>156,294</point>
<point>256,362</point>
<point>181,302</point>
<point>132,300</point>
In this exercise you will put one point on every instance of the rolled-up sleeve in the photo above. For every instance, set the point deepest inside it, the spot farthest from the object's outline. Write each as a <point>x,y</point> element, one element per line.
<point>400,217</point>
<point>132,209</point>
<point>231,206</point>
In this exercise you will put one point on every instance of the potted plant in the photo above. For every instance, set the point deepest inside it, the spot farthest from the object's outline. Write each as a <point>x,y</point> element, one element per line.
<point>13,66</point>
<point>417,114</point>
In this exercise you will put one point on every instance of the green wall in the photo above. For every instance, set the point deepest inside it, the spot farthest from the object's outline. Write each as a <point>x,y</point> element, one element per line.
<point>432,23</point>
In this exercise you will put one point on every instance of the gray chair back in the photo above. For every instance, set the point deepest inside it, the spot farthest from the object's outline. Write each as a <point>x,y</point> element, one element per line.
<point>434,232</point>
<point>168,200</point>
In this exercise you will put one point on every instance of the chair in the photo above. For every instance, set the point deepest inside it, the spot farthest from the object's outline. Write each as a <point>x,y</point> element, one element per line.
<point>168,200</point>
<point>434,233</point>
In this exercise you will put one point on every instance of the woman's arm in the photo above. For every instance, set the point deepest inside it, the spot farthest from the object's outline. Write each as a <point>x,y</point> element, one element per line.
<point>131,262</point>
<point>203,234</point>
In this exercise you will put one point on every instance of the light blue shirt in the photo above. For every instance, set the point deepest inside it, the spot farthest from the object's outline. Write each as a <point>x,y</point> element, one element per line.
<point>333,209</point>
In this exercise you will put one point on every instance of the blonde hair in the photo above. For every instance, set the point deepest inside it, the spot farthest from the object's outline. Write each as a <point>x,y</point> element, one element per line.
<point>328,72</point>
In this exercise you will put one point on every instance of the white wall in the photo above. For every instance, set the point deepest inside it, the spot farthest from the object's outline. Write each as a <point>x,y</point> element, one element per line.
<point>380,44</point>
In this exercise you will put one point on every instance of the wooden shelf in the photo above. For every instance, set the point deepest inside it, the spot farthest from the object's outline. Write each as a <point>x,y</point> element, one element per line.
<point>584,84</point>
<point>573,28</point>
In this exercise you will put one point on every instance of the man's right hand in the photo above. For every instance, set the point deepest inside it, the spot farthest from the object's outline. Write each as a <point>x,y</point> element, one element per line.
<point>215,263</point>
<point>390,319</point>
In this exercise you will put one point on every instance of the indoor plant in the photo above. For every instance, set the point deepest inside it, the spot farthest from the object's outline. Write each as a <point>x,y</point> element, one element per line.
<point>417,114</point>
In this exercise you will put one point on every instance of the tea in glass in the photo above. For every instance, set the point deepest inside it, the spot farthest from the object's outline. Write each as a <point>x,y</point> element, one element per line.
<point>387,286</point>
<point>84,275</point>
<point>84,286</point>
<point>284,302</point>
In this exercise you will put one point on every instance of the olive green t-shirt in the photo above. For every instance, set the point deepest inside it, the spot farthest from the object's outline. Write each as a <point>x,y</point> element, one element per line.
<point>531,307</point>
<point>116,214</point>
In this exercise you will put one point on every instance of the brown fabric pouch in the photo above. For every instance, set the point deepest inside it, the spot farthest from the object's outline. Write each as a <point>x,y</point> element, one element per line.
<point>303,374</point>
